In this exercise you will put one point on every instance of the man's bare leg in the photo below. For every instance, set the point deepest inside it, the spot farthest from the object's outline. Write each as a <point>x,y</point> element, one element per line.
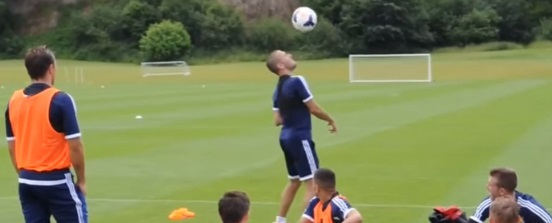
<point>288,195</point>
<point>309,192</point>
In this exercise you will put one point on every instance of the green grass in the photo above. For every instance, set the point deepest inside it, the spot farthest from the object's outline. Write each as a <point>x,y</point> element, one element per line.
<point>401,149</point>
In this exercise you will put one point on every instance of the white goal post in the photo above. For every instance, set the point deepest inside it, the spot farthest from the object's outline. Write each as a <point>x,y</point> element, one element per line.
<point>384,68</point>
<point>165,68</point>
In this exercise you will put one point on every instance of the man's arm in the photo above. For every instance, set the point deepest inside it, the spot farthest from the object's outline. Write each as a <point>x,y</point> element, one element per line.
<point>353,217</point>
<point>346,212</point>
<point>276,110</point>
<point>535,212</point>
<point>72,134</point>
<point>482,212</point>
<point>10,137</point>
<point>308,215</point>
<point>307,97</point>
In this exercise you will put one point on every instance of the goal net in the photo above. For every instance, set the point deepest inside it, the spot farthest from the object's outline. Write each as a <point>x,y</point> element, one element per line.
<point>165,68</point>
<point>390,68</point>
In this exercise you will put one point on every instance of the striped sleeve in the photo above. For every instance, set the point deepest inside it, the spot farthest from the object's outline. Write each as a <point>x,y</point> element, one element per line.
<point>482,212</point>
<point>309,211</point>
<point>534,213</point>
<point>343,208</point>
<point>303,89</point>
<point>68,111</point>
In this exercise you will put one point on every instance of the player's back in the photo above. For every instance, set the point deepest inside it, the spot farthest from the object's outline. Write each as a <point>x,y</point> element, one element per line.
<point>334,211</point>
<point>289,97</point>
<point>531,210</point>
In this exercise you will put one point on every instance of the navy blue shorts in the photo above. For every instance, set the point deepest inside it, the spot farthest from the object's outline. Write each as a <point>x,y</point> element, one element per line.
<point>301,158</point>
<point>43,195</point>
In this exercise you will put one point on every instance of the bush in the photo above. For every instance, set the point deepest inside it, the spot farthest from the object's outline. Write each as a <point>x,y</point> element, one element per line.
<point>484,47</point>
<point>164,41</point>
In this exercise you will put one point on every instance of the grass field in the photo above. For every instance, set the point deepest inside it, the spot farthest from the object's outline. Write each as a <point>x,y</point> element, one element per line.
<point>401,149</point>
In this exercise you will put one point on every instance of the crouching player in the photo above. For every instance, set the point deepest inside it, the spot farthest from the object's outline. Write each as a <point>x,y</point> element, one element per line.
<point>329,206</point>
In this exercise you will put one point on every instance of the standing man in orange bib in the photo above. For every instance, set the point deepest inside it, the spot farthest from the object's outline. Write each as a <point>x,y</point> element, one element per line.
<point>44,142</point>
<point>329,206</point>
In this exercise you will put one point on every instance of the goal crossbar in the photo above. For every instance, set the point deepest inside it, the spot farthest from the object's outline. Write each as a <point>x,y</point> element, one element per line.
<point>164,68</point>
<point>426,65</point>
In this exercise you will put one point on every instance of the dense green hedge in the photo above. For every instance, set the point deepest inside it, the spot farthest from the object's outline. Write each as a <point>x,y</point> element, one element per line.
<point>212,32</point>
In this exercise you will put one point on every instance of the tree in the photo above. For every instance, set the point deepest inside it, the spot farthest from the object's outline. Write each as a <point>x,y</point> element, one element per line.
<point>164,41</point>
<point>478,26</point>
<point>136,18</point>
<point>385,25</point>
<point>211,25</point>
<point>516,24</point>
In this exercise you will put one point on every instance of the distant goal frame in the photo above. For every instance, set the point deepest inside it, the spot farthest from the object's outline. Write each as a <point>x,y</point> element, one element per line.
<point>185,72</point>
<point>427,80</point>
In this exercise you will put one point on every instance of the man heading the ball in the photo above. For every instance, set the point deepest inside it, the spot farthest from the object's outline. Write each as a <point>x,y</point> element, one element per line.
<point>292,105</point>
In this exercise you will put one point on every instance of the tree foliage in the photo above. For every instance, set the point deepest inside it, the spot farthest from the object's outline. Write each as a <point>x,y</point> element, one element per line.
<point>115,32</point>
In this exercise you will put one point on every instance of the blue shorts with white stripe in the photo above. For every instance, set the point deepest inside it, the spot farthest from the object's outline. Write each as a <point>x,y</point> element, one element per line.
<point>53,193</point>
<point>301,158</point>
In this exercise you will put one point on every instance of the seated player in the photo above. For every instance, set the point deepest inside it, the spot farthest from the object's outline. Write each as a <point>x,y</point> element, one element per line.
<point>329,206</point>
<point>505,210</point>
<point>233,207</point>
<point>503,182</point>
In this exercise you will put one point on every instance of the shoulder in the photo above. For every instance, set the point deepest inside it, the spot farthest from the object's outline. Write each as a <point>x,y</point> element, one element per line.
<point>314,201</point>
<point>63,100</point>
<point>531,204</point>
<point>526,200</point>
<point>299,79</point>
<point>341,203</point>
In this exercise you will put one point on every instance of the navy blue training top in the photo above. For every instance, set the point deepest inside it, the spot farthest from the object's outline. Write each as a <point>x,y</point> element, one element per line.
<point>530,210</point>
<point>289,98</point>
<point>63,113</point>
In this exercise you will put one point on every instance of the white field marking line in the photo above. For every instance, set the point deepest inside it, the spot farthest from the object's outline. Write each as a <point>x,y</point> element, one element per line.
<point>400,206</point>
<point>268,203</point>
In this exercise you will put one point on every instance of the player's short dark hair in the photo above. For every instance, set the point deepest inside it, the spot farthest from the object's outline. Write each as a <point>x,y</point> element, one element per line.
<point>38,61</point>
<point>505,210</point>
<point>272,62</point>
<point>505,178</point>
<point>325,178</point>
<point>233,206</point>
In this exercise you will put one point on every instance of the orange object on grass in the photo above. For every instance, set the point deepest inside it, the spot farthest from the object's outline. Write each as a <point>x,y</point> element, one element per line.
<point>181,214</point>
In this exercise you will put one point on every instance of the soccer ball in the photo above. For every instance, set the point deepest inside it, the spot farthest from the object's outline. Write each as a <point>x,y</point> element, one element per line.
<point>304,19</point>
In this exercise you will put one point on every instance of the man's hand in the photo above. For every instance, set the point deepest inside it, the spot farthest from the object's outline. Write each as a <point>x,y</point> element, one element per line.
<point>76,151</point>
<point>333,128</point>
<point>277,118</point>
<point>82,187</point>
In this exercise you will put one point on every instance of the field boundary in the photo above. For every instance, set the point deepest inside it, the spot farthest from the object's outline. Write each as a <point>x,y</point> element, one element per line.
<point>268,203</point>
